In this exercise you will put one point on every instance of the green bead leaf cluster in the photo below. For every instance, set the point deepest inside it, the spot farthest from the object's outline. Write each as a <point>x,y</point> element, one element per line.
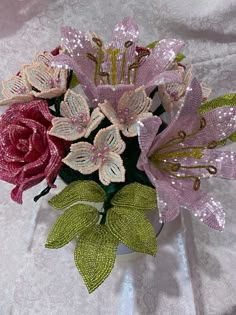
<point>96,243</point>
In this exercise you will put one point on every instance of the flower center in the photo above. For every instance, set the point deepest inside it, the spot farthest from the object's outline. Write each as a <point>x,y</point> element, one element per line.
<point>23,145</point>
<point>54,82</point>
<point>121,70</point>
<point>99,153</point>
<point>166,158</point>
<point>124,116</point>
<point>80,121</point>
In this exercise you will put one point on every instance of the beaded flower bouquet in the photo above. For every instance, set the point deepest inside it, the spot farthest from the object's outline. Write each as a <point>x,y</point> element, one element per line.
<point>92,114</point>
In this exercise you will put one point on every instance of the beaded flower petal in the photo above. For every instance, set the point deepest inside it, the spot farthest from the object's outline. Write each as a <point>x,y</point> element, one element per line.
<point>103,155</point>
<point>106,72</point>
<point>172,95</point>
<point>176,159</point>
<point>48,82</point>
<point>16,90</point>
<point>132,107</point>
<point>76,121</point>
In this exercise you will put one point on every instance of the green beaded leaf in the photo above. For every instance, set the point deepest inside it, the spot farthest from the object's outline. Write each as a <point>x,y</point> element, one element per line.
<point>95,255</point>
<point>133,229</point>
<point>74,81</point>
<point>78,191</point>
<point>137,196</point>
<point>153,44</point>
<point>71,223</point>
<point>233,137</point>
<point>179,57</point>
<point>226,100</point>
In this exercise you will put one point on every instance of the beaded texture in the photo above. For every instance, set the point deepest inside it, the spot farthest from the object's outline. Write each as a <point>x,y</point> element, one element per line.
<point>178,157</point>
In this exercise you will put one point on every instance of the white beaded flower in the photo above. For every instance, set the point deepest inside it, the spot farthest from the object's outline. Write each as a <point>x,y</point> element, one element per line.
<point>76,121</point>
<point>48,82</point>
<point>103,155</point>
<point>132,107</point>
<point>16,90</point>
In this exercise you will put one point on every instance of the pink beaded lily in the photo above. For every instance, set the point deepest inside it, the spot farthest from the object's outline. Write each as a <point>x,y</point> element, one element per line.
<point>76,121</point>
<point>132,107</point>
<point>106,72</point>
<point>103,155</point>
<point>176,159</point>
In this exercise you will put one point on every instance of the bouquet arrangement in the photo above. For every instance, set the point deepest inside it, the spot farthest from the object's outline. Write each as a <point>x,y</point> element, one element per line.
<point>92,114</point>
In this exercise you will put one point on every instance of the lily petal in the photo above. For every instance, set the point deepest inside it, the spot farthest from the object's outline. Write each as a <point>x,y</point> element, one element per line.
<point>167,196</point>
<point>205,207</point>
<point>160,58</point>
<point>186,119</point>
<point>147,131</point>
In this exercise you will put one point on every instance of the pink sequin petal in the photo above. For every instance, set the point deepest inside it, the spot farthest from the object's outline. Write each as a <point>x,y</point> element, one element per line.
<point>147,131</point>
<point>224,161</point>
<point>112,170</point>
<point>220,124</point>
<point>186,119</point>
<point>158,61</point>
<point>112,93</point>
<point>167,197</point>
<point>78,44</point>
<point>125,30</point>
<point>67,62</point>
<point>205,208</point>
<point>165,77</point>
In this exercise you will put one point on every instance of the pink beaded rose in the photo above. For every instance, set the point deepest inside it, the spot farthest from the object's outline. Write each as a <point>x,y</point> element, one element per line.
<point>27,153</point>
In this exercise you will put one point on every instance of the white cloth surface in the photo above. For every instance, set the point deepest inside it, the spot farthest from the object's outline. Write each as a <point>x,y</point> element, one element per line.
<point>195,269</point>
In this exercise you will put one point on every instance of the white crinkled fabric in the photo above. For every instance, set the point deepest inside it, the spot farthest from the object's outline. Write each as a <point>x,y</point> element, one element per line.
<point>194,271</point>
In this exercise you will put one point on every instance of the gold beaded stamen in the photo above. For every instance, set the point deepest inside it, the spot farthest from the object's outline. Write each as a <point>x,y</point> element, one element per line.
<point>160,158</point>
